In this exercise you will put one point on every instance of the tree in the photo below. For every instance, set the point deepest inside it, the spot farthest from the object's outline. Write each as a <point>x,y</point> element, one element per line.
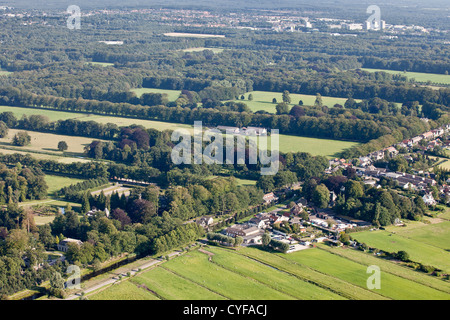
<point>3,129</point>
<point>297,111</point>
<point>266,239</point>
<point>62,146</point>
<point>282,108</point>
<point>402,255</point>
<point>238,241</point>
<point>318,101</point>
<point>250,97</point>
<point>353,189</point>
<point>321,196</point>
<point>85,206</point>
<point>344,238</point>
<point>56,284</point>
<point>266,183</point>
<point>286,97</point>
<point>21,138</point>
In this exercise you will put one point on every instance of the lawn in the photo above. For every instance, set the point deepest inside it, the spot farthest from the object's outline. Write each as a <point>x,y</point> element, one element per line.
<point>173,287</point>
<point>125,290</point>
<point>245,182</point>
<point>418,76</point>
<point>195,266</point>
<point>417,249</point>
<point>445,165</point>
<point>392,286</point>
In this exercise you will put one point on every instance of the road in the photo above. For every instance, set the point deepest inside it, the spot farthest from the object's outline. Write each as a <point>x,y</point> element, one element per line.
<point>115,278</point>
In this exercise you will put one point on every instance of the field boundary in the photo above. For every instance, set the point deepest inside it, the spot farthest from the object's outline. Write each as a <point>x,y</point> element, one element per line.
<point>199,284</point>
<point>315,282</point>
<point>253,279</point>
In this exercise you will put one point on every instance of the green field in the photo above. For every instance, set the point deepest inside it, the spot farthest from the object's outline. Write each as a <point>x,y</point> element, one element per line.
<point>55,183</point>
<point>323,273</point>
<point>158,125</point>
<point>389,267</point>
<point>417,76</point>
<point>215,50</point>
<point>315,146</point>
<point>280,281</point>
<point>4,73</point>
<point>172,95</point>
<point>262,100</point>
<point>125,290</point>
<point>436,234</point>
<point>424,245</point>
<point>52,115</point>
<point>101,64</point>
<point>392,286</point>
<point>173,287</point>
<point>196,267</point>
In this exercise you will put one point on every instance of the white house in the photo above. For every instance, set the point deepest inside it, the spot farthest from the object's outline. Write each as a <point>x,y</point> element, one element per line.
<point>429,200</point>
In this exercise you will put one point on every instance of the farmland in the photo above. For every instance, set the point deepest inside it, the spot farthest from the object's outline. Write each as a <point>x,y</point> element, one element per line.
<point>417,76</point>
<point>52,115</point>
<point>355,273</point>
<point>172,95</point>
<point>323,273</point>
<point>427,244</point>
<point>215,50</point>
<point>124,291</point>
<point>44,146</point>
<point>315,146</point>
<point>55,183</point>
<point>262,100</point>
<point>193,35</point>
<point>288,143</point>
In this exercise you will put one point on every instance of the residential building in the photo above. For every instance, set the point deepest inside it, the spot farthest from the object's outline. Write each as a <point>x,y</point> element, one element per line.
<point>270,197</point>
<point>64,244</point>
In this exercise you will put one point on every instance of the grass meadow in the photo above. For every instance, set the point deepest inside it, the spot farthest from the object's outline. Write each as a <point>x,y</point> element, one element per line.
<point>417,76</point>
<point>173,287</point>
<point>125,290</point>
<point>249,273</point>
<point>392,286</point>
<point>427,245</point>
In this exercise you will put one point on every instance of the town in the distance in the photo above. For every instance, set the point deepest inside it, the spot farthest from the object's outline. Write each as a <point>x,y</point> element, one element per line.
<point>110,191</point>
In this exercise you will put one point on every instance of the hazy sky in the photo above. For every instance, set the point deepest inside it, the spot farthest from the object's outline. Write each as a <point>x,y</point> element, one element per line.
<point>58,4</point>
